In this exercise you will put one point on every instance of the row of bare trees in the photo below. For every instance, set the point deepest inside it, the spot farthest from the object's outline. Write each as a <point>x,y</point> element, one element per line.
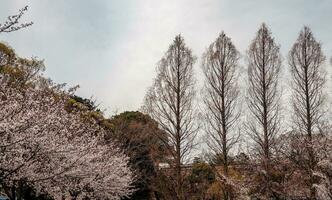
<point>171,102</point>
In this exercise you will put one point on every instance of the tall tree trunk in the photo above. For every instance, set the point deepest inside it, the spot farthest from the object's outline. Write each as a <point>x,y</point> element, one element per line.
<point>220,91</point>
<point>170,102</point>
<point>263,100</point>
<point>13,193</point>
<point>305,60</point>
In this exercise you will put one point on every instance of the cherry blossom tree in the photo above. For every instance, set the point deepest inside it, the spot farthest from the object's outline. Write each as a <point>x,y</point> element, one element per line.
<point>59,152</point>
<point>13,22</point>
<point>296,178</point>
<point>323,173</point>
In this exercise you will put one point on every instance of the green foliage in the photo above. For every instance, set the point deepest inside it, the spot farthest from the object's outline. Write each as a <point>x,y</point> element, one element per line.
<point>7,50</point>
<point>133,116</point>
<point>7,56</point>
<point>201,172</point>
<point>139,136</point>
<point>88,103</point>
<point>21,71</point>
<point>199,180</point>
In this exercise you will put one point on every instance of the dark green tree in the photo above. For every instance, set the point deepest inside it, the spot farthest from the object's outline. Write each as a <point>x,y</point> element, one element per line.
<point>200,179</point>
<point>138,135</point>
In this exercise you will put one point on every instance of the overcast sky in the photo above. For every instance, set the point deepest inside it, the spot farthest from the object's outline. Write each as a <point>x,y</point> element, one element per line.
<point>110,48</point>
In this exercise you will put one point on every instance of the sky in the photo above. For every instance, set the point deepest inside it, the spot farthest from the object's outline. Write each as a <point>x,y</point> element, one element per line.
<point>110,48</point>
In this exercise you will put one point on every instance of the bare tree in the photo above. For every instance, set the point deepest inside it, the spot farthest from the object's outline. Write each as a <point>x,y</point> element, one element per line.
<point>221,92</point>
<point>12,23</point>
<point>170,102</point>
<point>305,60</point>
<point>263,97</point>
